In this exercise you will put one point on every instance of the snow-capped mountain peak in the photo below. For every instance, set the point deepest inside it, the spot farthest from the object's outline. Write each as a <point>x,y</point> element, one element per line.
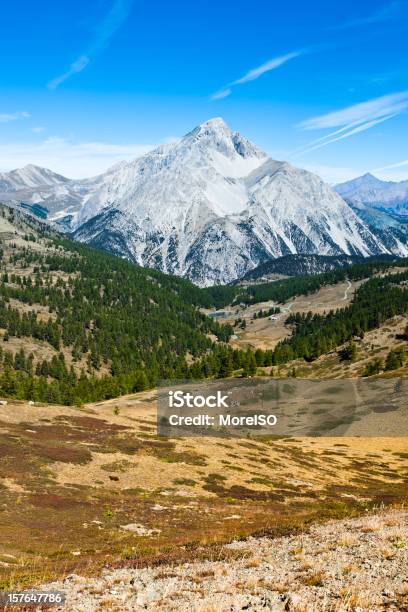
<point>216,134</point>
<point>366,182</point>
<point>29,177</point>
<point>210,206</point>
<point>202,168</point>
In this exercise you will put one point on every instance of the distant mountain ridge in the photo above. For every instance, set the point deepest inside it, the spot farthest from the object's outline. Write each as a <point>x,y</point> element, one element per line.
<point>369,191</point>
<point>39,188</point>
<point>29,177</point>
<point>210,207</point>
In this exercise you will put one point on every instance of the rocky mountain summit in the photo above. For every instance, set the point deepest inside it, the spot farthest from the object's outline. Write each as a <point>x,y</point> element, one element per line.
<point>209,207</point>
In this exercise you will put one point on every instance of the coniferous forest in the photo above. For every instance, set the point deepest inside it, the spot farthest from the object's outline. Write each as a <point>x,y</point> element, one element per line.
<point>113,328</point>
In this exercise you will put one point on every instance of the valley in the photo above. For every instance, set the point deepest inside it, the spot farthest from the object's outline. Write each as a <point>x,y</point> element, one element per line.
<point>265,333</point>
<point>89,485</point>
<point>56,353</point>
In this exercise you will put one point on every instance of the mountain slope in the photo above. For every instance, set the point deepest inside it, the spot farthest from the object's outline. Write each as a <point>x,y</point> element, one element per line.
<point>213,206</point>
<point>45,194</point>
<point>77,324</point>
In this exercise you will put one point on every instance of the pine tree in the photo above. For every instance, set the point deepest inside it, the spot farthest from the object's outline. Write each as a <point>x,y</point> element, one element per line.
<point>349,353</point>
<point>249,364</point>
<point>393,361</point>
<point>226,366</point>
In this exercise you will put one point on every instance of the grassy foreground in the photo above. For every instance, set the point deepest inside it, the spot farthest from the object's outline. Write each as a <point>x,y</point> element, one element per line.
<point>83,488</point>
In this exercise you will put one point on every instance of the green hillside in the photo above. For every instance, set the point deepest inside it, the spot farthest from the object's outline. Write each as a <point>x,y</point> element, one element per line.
<point>111,327</point>
<point>79,325</point>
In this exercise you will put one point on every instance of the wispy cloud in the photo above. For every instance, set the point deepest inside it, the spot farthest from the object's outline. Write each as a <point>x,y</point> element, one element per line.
<point>255,73</point>
<point>103,32</point>
<point>388,12</point>
<point>38,129</point>
<point>6,117</point>
<point>223,93</point>
<point>272,64</point>
<point>77,160</point>
<point>400,164</point>
<point>74,68</point>
<point>358,113</point>
<point>393,172</point>
<point>353,120</point>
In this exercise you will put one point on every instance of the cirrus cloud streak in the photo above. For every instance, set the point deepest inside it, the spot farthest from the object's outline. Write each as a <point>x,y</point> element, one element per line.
<point>352,120</point>
<point>103,32</point>
<point>255,73</point>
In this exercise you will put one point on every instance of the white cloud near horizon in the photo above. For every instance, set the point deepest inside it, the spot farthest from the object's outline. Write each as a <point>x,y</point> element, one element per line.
<point>6,117</point>
<point>333,174</point>
<point>73,160</point>
<point>103,32</point>
<point>352,120</point>
<point>255,73</point>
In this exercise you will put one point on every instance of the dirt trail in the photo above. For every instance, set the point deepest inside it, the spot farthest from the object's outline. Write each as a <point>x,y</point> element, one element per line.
<point>349,285</point>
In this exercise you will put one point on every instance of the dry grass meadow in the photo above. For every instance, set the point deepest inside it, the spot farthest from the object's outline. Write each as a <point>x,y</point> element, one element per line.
<point>83,488</point>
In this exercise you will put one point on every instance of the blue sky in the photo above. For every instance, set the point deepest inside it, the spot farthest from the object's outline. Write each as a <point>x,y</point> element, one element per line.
<point>323,84</point>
